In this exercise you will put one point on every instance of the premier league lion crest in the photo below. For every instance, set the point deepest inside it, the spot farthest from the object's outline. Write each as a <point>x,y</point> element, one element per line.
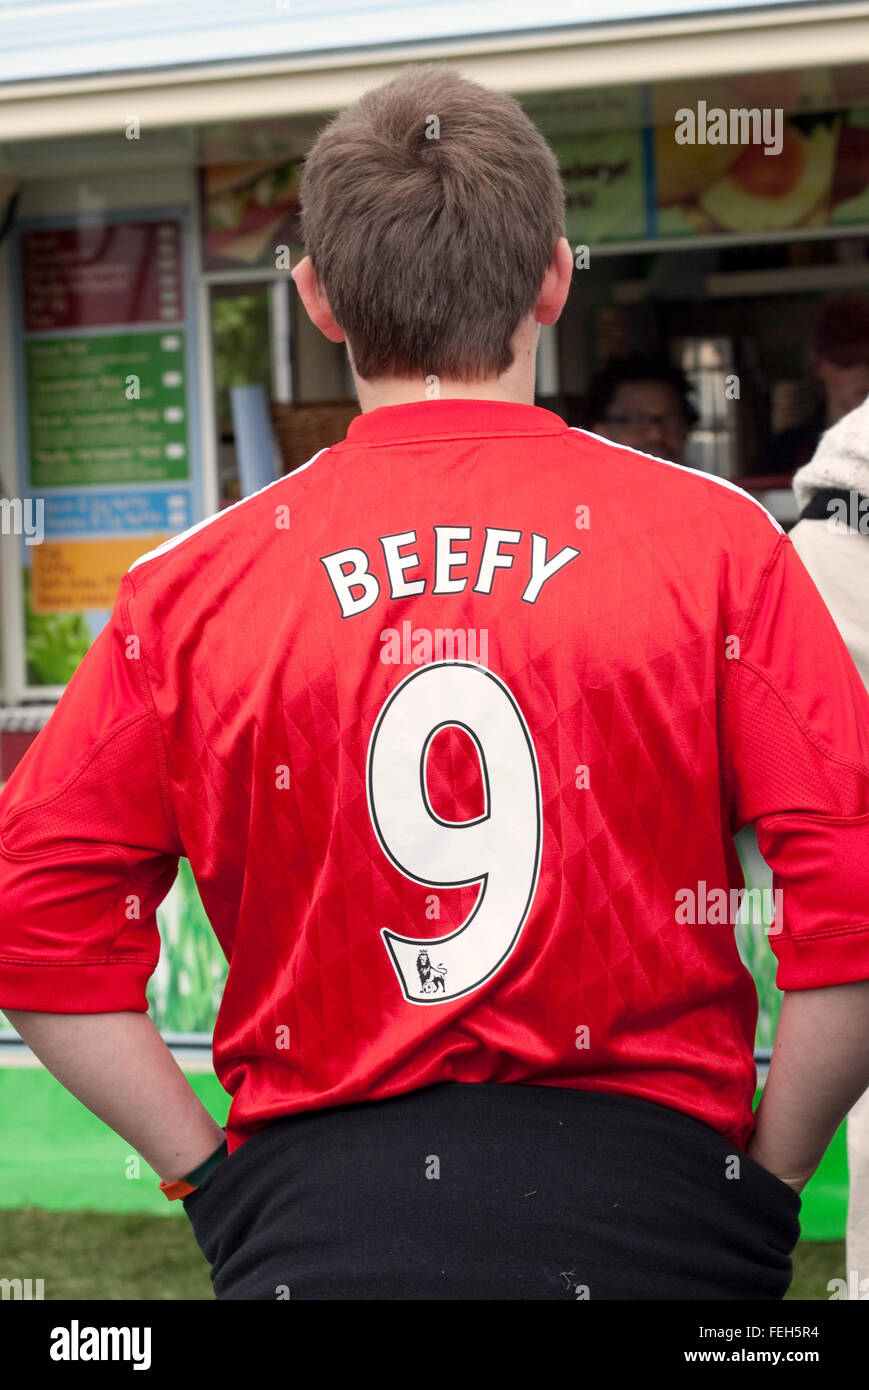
<point>431,977</point>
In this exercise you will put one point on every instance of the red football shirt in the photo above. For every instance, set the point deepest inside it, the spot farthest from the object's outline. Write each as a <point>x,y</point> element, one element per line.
<point>454,725</point>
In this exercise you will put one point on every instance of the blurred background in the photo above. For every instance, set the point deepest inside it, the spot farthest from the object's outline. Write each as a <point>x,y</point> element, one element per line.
<point>156,366</point>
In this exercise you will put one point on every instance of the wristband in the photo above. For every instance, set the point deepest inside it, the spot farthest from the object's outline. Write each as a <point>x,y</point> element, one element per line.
<point>182,1187</point>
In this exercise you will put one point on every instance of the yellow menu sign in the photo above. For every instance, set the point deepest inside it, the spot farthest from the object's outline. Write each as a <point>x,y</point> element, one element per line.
<point>73,576</point>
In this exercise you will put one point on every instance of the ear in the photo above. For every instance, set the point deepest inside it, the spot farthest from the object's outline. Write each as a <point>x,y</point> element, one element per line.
<point>556,283</point>
<point>314,299</point>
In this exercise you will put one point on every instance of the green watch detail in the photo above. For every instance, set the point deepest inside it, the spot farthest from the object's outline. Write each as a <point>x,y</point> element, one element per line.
<point>198,1175</point>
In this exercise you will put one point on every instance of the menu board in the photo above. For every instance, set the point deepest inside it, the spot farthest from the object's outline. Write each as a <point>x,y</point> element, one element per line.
<point>82,426</point>
<point>86,276</point>
<point>107,446</point>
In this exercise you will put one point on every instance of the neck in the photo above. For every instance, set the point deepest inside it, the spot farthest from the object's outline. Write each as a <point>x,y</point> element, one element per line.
<point>516,384</point>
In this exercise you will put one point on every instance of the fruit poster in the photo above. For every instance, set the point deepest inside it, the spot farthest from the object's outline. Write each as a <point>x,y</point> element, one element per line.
<point>815,175</point>
<point>809,169</point>
<point>246,211</point>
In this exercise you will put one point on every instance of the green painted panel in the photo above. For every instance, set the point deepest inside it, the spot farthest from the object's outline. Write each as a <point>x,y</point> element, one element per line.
<point>54,1153</point>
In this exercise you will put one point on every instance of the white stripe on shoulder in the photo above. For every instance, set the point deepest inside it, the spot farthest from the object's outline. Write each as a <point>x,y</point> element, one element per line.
<point>216,516</point>
<point>700,473</point>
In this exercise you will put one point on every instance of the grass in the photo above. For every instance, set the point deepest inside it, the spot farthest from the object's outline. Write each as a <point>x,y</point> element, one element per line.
<point>816,1262</point>
<point>95,1256</point>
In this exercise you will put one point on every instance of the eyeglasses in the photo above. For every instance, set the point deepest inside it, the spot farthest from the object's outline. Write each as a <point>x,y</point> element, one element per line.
<point>670,424</point>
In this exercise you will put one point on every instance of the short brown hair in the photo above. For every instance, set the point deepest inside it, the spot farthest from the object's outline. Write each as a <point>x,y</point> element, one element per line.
<point>431,245</point>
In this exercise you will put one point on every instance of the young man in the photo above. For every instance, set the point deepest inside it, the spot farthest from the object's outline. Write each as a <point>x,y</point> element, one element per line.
<point>454,725</point>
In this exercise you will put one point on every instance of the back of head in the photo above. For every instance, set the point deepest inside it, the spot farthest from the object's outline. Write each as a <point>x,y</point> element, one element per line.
<point>430,210</point>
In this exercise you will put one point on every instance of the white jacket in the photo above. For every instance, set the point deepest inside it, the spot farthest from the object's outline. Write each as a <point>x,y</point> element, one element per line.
<point>837,558</point>
<point>838,561</point>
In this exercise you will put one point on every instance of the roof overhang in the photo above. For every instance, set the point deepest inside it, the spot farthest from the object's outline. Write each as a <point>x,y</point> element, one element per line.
<point>572,57</point>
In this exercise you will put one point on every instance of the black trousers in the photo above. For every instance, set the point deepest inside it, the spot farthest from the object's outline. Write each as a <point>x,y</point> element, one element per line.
<point>488,1191</point>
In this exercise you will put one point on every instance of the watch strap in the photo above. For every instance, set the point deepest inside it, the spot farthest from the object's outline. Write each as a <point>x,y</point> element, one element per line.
<point>174,1190</point>
<point>182,1187</point>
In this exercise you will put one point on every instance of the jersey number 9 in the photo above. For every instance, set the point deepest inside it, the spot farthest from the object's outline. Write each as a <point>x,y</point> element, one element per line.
<point>499,850</point>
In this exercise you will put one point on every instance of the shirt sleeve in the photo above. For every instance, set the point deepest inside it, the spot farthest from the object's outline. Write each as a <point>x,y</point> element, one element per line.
<point>795,730</point>
<point>89,845</point>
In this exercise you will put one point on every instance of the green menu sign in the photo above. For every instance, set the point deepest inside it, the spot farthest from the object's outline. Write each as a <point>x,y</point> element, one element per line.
<point>107,408</point>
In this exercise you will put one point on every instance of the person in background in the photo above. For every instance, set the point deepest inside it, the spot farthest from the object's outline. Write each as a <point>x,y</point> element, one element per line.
<point>839,358</point>
<point>643,402</point>
<point>832,539</point>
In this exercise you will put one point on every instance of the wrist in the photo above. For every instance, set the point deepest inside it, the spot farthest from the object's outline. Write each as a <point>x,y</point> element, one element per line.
<point>182,1187</point>
<point>197,1175</point>
<point>796,1183</point>
<point>785,1173</point>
